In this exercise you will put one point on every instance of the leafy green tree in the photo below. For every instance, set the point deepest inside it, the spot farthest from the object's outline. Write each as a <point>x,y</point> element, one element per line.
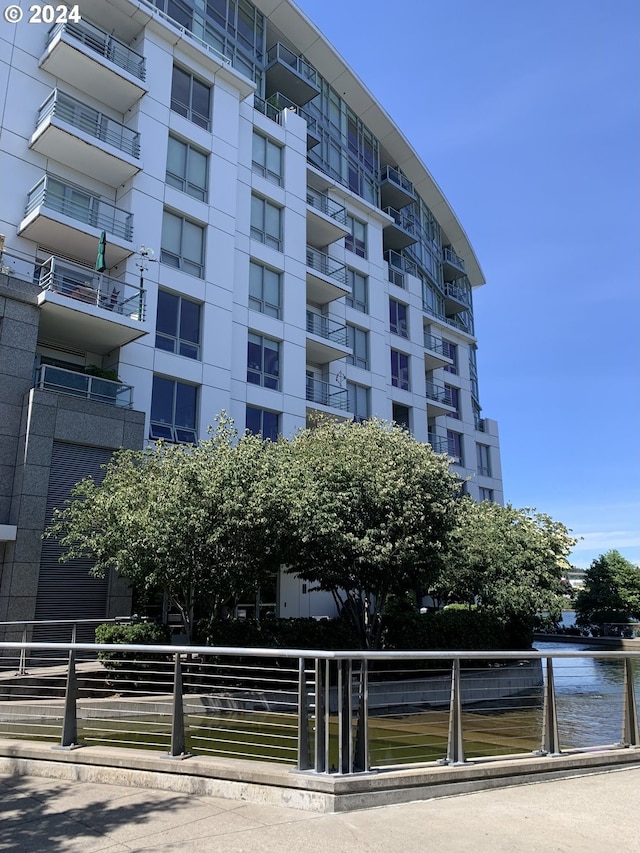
<point>371,510</point>
<point>198,523</point>
<point>507,561</point>
<point>611,592</point>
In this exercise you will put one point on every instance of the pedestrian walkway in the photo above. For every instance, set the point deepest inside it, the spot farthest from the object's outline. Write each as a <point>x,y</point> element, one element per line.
<point>588,814</point>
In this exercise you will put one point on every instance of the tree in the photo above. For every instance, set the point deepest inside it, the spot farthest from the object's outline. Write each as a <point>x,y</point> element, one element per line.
<point>506,561</point>
<point>611,592</point>
<point>198,523</point>
<point>371,511</point>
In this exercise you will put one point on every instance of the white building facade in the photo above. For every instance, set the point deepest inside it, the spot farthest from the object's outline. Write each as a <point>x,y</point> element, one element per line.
<point>302,260</point>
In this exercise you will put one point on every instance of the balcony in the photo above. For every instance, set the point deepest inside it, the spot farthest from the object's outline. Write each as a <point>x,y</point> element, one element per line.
<point>434,356</point>
<point>313,133</point>
<point>70,132</point>
<point>50,378</point>
<point>396,190</point>
<point>326,339</point>
<point>326,277</point>
<point>71,219</point>
<point>90,58</point>
<point>290,74</point>
<point>478,423</point>
<point>439,400</point>
<point>398,266</point>
<point>324,394</point>
<point>86,310</point>
<point>326,219</point>
<point>401,232</point>
<point>457,296</point>
<point>439,443</point>
<point>452,264</point>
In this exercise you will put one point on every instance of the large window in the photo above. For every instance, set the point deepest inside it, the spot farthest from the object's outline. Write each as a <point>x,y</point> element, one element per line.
<point>486,494</point>
<point>453,398</point>
<point>358,298</point>
<point>358,342</point>
<point>191,98</point>
<point>263,361</point>
<point>399,370</point>
<point>173,410</point>
<point>262,422</point>
<point>454,446</point>
<point>182,244</point>
<point>356,241</point>
<point>484,459</point>
<point>264,290</point>
<point>401,415</point>
<point>187,168</point>
<point>178,325</point>
<point>267,159</point>
<point>358,397</point>
<point>398,320</point>
<point>266,222</point>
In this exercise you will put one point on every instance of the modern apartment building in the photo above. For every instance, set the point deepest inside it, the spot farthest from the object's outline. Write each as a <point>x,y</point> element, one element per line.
<point>203,208</point>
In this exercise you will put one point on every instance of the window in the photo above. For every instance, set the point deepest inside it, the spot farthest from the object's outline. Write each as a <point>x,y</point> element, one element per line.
<point>401,415</point>
<point>452,396</point>
<point>358,342</point>
<point>190,98</point>
<point>264,290</point>
<point>356,241</point>
<point>262,422</point>
<point>486,494</point>
<point>182,244</point>
<point>358,297</point>
<point>358,397</point>
<point>263,361</point>
<point>173,410</point>
<point>484,459</point>
<point>186,169</point>
<point>398,321</point>
<point>400,370</point>
<point>454,446</point>
<point>450,351</point>
<point>267,159</point>
<point>266,222</point>
<point>178,325</point>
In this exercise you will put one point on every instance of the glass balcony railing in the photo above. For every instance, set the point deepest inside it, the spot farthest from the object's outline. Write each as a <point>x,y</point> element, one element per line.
<point>326,265</point>
<point>279,53</point>
<point>326,328</point>
<point>403,220</point>
<point>459,290</point>
<point>450,257</point>
<point>72,201</point>
<point>400,262</point>
<point>103,44</point>
<point>93,288</point>
<point>437,392</point>
<point>325,205</point>
<point>92,122</point>
<point>389,173</point>
<point>326,394</point>
<point>51,378</point>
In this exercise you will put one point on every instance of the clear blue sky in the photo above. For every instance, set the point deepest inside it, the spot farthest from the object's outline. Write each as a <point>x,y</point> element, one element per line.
<point>527,114</point>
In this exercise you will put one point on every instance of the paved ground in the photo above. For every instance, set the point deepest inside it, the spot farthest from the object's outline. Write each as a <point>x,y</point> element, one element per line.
<point>589,814</point>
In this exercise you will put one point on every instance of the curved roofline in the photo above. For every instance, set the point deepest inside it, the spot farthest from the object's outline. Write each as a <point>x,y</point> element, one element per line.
<point>309,41</point>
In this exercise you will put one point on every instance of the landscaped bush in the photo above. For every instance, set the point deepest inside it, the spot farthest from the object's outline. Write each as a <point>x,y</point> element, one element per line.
<point>453,629</point>
<point>142,672</point>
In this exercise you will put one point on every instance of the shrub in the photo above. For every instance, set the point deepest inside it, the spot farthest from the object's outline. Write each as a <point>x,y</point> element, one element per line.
<point>139,670</point>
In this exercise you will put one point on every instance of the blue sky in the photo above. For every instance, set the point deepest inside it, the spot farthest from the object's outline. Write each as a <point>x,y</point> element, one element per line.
<point>527,114</point>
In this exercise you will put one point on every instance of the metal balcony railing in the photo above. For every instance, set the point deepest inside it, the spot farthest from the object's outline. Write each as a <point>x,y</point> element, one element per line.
<point>400,262</point>
<point>326,265</point>
<point>103,44</point>
<point>459,290</point>
<point>450,257</point>
<point>431,342</point>
<point>326,205</point>
<point>326,394</point>
<point>278,52</point>
<point>440,443</point>
<point>72,201</point>
<point>324,712</point>
<point>390,173</point>
<point>51,378</point>
<point>403,220</point>
<point>478,423</point>
<point>435,391</point>
<point>93,288</point>
<point>92,122</point>
<point>326,328</point>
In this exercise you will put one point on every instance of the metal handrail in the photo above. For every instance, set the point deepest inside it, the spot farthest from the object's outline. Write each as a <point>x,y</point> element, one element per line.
<point>78,204</point>
<point>326,205</point>
<point>326,265</point>
<point>433,343</point>
<point>326,328</point>
<point>158,13</point>
<point>103,44</point>
<point>440,443</point>
<point>436,391</point>
<point>92,122</point>
<point>70,382</point>
<point>326,394</point>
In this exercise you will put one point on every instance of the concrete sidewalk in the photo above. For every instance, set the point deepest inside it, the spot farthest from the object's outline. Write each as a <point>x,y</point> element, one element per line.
<point>589,814</point>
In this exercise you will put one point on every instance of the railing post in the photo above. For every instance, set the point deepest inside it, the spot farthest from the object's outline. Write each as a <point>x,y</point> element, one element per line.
<point>550,736</point>
<point>630,736</point>
<point>178,743</point>
<point>361,757</point>
<point>319,753</point>
<point>22,666</point>
<point>455,743</point>
<point>69,739</point>
<point>304,746</point>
